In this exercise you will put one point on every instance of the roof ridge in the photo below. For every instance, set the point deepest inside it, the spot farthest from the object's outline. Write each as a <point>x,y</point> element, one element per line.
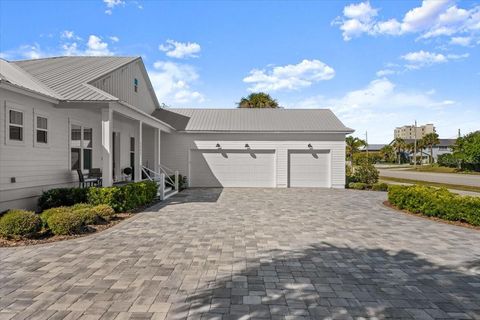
<point>73,57</point>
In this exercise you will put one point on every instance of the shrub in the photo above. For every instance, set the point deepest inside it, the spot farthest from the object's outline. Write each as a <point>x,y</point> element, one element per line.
<point>357,185</point>
<point>365,173</point>
<point>447,160</point>
<point>436,203</point>
<point>124,198</point>
<point>362,157</point>
<point>103,211</point>
<point>380,186</point>
<point>66,222</point>
<point>19,223</point>
<point>60,197</point>
<point>182,181</point>
<point>47,213</point>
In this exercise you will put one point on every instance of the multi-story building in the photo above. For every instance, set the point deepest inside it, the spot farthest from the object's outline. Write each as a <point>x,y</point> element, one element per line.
<point>408,132</point>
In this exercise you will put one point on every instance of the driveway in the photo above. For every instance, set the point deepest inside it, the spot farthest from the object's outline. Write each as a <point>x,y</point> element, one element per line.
<point>449,178</point>
<point>252,253</point>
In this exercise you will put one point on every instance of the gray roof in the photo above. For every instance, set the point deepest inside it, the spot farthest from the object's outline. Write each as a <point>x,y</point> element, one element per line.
<point>69,77</point>
<point>373,147</point>
<point>443,142</point>
<point>252,120</point>
<point>16,76</point>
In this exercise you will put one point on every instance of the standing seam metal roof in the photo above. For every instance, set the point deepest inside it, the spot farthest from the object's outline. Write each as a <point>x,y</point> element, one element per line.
<point>69,76</point>
<point>252,120</point>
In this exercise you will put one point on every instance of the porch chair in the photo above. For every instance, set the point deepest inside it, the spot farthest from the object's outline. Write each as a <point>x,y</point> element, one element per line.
<point>87,182</point>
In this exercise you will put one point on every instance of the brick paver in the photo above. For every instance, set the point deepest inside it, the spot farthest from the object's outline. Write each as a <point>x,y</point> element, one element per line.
<point>252,254</point>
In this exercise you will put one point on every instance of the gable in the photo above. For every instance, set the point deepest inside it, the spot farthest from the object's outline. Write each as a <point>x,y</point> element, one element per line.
<point>121,84</point>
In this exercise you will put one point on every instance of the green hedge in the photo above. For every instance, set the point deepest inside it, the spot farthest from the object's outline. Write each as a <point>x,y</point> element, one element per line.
<point>19,223</point>
<point>124,198</point>
<point>379,186</point>
<point>62,197</point>
<point>435,202</point>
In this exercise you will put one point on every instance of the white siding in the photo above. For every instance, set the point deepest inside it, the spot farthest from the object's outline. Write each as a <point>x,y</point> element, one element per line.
<point>119,83</point>
<point>175,149</point>
<point>35,167</point>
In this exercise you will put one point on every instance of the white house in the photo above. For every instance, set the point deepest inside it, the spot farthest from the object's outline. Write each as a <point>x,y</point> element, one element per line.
<point>67,113</point>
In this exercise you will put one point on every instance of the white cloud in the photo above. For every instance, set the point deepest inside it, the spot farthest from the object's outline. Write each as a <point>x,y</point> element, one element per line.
<point>70,49</point>
<point>172,83</point>
<point>433,18</point>
<point>381,106</point>
<point>96,47</point>
<point>292,76</point>
<point>112,4</point>
<point>418,59</point>
<point>461,41</point>
<point>114,39</point>
<point>67,34</point>
<point>385,72</point>
<point>180,50</point>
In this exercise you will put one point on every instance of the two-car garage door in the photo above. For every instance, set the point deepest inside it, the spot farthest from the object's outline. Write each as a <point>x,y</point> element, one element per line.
<point>257,168</point>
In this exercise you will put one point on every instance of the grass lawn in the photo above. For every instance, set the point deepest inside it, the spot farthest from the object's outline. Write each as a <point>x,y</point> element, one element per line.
<point>440,170</point>
<point>433,184</point>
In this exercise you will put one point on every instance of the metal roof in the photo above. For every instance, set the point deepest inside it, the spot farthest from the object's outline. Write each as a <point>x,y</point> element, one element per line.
<point>69,76</point>
<point>252,120</point>
<point>442,142</point>
<point>16,76</point>
<point>373,147</point>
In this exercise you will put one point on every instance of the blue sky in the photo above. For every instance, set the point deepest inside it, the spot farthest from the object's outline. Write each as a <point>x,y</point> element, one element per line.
<point>377,64</point>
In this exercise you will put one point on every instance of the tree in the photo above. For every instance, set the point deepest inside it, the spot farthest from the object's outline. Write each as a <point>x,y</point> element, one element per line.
<point>399,145</point>
<point>258,100</point>
<point>388,153</point>
<point>352,146</point>
<point>410,148</point>
<point>430,140</point>
<point>467,148</point>
<point>420,147</point>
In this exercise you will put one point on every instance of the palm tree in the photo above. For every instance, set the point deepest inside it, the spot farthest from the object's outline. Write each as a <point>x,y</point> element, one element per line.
<point>431,140</point>
<point>258,100</point>
<point>352,146</point>
<point>388,153</point>
<point>410,148</point>
<point>399,145</point>
<point>420,147</point>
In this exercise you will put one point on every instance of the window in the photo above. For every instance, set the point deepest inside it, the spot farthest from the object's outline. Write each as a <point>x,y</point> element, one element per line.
<point>81,147</point>
<point>15,128</point>
<point>135,85</point>
<point>41,130</point>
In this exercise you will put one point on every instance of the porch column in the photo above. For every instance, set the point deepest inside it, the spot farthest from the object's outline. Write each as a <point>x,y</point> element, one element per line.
<point>157,150</point>
<point>138,153</point>
<point>107,156</point>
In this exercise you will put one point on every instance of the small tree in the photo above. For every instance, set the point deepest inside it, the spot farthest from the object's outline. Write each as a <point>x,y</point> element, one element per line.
<point>430,140</point>
<point>352,146</point>
<point>467,149</point>
<point>388,153</point>
<point>399,145</point>
<point>258,100</point>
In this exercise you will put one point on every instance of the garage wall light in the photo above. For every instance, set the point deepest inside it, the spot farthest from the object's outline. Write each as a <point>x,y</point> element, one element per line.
<point>218,145</point>
<point>246,145</point>
<point>310,145</point>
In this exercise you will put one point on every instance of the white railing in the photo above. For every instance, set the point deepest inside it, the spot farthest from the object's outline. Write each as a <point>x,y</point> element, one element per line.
<point>163,178</point>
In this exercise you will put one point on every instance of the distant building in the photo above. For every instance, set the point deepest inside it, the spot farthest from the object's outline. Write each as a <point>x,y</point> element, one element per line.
<point>445,146</point>
<point>408,132</point>
<point>372,147</point>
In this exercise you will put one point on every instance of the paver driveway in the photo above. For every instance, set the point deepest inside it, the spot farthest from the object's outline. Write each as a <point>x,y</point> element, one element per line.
<point>252,253</point>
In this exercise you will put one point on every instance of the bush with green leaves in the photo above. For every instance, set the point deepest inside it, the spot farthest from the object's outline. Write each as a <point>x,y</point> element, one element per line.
<point>61,197</point>
<point>124,198</point>
<point>380,186</point>
<point>448,160</point>
<point>19,224</point>
<point>47,213</point>
<point>66,222</point>
<point>365,173</point>
<point>434,202</point>
<point>103,211</point>
<point>357,185</point>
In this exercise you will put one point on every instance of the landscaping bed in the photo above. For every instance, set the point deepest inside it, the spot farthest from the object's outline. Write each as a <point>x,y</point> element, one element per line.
<point>435,203</point>
<point>68,213</point>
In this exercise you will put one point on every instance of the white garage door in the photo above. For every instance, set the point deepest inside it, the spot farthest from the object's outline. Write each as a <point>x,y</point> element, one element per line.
<point>232,168</point>
<point>309,168</point>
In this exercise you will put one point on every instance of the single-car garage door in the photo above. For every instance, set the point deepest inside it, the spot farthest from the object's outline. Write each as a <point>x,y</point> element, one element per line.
<point>232,168</point>
<point>309,168</point>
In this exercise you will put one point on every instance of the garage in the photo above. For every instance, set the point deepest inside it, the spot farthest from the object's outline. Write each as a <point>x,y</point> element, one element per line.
<point>232,168</point>
<point>309,168</point>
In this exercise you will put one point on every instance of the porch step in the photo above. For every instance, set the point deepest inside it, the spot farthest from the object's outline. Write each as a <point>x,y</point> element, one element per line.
<point>170,193</point>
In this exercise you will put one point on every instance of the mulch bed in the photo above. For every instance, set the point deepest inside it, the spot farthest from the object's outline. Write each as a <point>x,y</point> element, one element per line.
<point>47,237</point>
<point>419,215</point>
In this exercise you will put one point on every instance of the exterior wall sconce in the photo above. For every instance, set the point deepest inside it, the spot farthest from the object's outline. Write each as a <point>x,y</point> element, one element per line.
<point>310,145</point>
<point>217,145</point>
<point>246,145</point>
